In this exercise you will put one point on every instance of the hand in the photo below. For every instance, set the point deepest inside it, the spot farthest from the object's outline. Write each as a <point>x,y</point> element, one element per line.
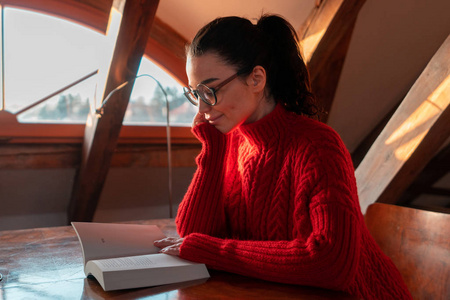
<point>199,118</point>
<point>170,245</point>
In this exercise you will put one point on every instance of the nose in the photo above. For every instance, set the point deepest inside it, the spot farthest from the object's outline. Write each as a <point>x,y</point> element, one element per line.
<point>203,107</point>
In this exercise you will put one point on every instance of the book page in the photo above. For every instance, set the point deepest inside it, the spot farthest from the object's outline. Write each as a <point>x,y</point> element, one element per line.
<point>107,240</point>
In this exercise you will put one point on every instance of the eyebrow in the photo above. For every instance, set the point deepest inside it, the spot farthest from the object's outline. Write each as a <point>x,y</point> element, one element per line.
<point>209,80</point>
<point>206,81</point>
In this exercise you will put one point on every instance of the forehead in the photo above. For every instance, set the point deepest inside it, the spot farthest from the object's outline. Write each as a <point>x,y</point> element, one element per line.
<point>206,66</point>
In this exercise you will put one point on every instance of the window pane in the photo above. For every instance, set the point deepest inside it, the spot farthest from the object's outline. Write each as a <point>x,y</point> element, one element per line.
<point>71,106</point>
<point>147,104</point>
<point>44,54</point>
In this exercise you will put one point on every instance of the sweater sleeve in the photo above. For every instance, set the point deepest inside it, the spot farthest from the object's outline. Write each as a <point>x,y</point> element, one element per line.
<point>326,258</point>
<point>201,209</point>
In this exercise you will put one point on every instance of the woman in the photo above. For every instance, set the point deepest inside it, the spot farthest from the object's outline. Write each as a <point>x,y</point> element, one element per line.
<point>274,195</point>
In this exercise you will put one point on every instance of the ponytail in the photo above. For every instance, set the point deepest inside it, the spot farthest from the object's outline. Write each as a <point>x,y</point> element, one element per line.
<point>288,78</point>
<point>273,44</point>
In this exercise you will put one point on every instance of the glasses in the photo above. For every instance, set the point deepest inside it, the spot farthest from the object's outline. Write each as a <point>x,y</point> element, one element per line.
<point>207,94</point>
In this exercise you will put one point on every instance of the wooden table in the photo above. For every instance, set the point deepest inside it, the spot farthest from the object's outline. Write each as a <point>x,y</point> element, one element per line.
<point>46,263</point>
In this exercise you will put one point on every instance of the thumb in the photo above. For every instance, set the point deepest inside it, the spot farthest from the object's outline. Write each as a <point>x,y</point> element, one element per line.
<point>199,118</point>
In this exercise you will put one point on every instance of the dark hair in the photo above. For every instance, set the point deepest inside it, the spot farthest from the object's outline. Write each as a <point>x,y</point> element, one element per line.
<point>273,44</point>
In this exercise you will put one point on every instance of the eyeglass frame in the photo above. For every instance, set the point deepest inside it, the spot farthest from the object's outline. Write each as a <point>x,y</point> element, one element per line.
<point>188,90</point>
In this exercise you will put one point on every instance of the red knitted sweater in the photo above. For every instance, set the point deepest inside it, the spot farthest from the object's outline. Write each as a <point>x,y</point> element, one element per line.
<point>277,200</point>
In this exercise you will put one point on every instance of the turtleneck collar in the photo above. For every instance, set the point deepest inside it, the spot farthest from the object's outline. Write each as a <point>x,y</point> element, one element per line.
<point>269,129</point>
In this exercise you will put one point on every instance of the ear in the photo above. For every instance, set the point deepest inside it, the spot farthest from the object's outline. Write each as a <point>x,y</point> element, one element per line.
<point>257,79</point>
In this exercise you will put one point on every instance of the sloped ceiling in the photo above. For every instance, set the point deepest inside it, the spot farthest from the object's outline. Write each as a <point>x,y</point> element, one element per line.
<point>187,17</point>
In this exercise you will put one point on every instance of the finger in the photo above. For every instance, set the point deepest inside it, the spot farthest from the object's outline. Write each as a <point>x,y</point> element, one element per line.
<point>166,242</point>
<point>172,250</point>
<point>199,118</point>
<point>163,243</point>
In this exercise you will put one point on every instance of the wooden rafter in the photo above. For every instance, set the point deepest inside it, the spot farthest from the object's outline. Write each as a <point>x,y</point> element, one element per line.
<point>325,37</point>
<point>416,131</point>
<point>101,134</point>
<point>438,167</point>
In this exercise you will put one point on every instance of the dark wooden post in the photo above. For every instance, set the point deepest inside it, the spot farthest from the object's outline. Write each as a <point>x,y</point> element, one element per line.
<point>101,134</point>
<point>325,37</point>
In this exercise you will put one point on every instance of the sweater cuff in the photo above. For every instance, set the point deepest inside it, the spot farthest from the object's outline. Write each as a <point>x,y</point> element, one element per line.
<point>191,249</point>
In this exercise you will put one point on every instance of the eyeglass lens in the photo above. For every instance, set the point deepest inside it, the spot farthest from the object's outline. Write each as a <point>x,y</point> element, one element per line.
<point>204,92</point>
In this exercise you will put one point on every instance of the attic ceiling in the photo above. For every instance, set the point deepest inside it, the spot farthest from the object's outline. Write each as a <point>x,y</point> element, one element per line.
<point>187,17</point>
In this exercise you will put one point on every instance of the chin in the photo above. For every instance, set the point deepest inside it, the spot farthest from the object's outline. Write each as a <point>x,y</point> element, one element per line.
<point>226,129</point>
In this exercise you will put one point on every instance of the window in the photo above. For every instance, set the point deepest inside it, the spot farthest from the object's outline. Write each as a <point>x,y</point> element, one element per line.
<point>42,55</point>
<point>147,104</point>
<point>50,74</point>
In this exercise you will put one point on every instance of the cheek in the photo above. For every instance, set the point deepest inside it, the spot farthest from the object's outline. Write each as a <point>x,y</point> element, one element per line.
<point>234,110</point>
<point>233,107</point>
<point>229,107</point>
<point>235,104</point>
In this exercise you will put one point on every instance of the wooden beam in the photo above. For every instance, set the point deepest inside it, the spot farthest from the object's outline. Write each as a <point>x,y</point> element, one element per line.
<point>325,38</point>
<point>68,156</point>
<point>437,168</point>
<point>93,13</point>
<point>101,134</point>
<point>416,131</point>
<point>325,81</point>
<point>12,131</point>
<point>437,192</point>
<point>167,48</point>
<point>145,156</point>
<point>39,156</point>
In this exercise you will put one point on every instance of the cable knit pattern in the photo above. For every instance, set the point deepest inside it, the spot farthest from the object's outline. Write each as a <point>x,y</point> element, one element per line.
<point>276,199</point>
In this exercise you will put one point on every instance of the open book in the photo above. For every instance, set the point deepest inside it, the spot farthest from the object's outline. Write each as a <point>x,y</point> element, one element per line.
<point>122,256</point>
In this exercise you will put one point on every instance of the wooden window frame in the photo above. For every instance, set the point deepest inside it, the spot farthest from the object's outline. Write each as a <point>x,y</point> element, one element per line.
<point>167,53</point>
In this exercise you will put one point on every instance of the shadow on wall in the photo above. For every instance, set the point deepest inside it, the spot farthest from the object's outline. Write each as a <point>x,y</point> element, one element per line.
<point>39,198</point>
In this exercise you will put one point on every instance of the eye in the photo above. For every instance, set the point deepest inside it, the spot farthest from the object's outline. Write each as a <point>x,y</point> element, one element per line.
<point>208,94</point>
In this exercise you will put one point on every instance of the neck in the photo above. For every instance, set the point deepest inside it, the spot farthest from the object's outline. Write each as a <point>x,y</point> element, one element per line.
<point>266,106</point>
